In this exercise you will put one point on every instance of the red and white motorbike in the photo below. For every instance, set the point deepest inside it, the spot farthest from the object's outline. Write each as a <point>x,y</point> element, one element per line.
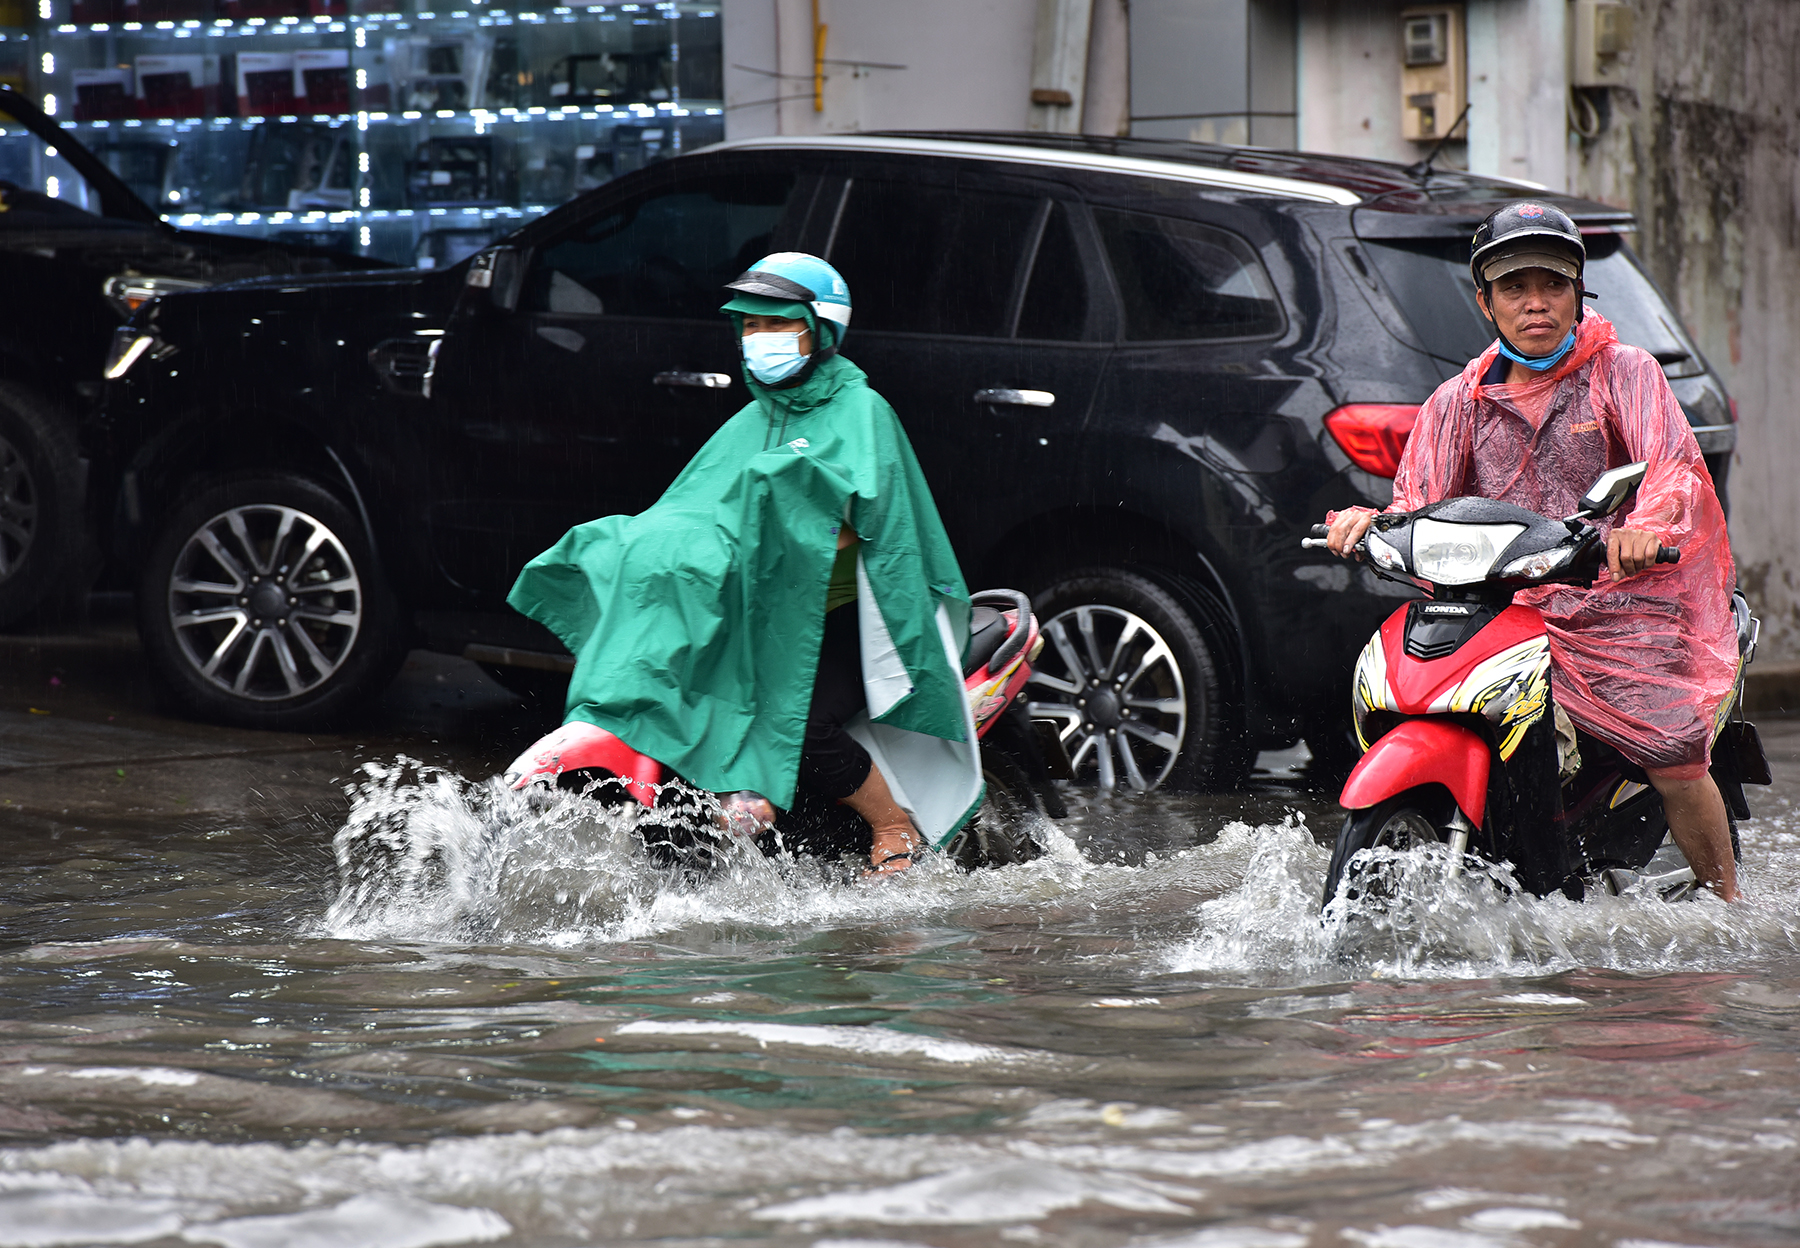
<point>1019,760</point>
<point>1453,708</point>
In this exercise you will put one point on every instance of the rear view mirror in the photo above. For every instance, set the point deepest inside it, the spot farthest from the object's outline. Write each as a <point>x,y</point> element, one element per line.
<point>1610,490</point>
<point>501,272</point>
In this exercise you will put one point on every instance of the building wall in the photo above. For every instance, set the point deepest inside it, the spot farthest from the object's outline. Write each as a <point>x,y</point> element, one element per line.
<point>1350,92</point>
<point>1704,146</point>
<point>1518,90</point>
<point>960,66</point>
<point>1349,80</point>
<point>1213,71</point>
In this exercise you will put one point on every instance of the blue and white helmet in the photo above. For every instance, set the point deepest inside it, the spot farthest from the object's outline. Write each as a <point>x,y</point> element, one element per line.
<point>799,278</point>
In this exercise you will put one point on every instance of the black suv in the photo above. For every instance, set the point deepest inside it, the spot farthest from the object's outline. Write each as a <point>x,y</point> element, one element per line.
<point>79,250</point>
<point>1134,373</point>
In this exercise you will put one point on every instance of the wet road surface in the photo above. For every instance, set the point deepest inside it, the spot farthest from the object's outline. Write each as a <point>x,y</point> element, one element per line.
<point>241,1006</point>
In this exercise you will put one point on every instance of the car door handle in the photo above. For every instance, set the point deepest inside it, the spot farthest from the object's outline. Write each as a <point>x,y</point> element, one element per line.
<point>1003,397</point>
<point>699,381</point>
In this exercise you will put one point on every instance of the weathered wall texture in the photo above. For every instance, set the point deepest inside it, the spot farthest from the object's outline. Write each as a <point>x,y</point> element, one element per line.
<point>1705,148</point>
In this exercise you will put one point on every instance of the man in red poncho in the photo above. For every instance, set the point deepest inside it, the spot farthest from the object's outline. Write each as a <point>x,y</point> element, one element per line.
<point>1646,660</point>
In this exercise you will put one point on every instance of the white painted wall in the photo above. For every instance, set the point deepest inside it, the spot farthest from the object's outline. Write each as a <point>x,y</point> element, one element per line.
<point>966,66</point>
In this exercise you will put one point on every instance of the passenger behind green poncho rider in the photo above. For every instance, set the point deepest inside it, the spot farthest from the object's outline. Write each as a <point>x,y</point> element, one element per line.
<point>774,314</point>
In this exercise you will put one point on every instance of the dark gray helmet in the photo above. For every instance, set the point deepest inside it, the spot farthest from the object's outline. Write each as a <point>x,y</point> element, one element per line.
<point>1526,235</point>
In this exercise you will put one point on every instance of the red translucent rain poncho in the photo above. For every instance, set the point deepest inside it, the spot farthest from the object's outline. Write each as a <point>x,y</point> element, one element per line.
<point>1645,663</point>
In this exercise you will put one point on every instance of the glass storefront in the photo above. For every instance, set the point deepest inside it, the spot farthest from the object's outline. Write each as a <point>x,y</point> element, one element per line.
<point>389,128</point>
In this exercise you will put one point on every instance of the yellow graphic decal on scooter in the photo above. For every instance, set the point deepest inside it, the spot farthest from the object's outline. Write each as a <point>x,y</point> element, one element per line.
<point>1370,687</point>
<point>1512,689</point>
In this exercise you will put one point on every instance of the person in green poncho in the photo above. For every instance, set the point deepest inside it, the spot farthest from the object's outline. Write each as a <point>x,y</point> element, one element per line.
<point>789,614</point>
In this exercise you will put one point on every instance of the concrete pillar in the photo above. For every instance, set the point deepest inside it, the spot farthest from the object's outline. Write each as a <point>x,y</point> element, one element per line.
<point>1348,62</point>
<point>1059,65</point>
<point>1519,90</point>
<point>1106,103</point>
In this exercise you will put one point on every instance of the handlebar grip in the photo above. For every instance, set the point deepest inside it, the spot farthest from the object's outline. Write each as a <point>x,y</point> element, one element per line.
<point>1314,543</point>
<point>1321,530</point>
<point>1667,554</point>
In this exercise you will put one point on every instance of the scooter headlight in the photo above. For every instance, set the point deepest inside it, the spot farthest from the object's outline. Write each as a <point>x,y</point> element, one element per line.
<point>1458,554</point>
<point>1542,564</point>
<point>1384,555</point>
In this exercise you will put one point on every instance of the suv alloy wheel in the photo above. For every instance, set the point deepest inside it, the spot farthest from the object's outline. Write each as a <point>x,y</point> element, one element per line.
<point>1132,682</point>
<point>261,605</point>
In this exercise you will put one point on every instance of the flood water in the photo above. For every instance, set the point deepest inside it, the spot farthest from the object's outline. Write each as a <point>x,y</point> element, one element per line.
<point>423,1013</point>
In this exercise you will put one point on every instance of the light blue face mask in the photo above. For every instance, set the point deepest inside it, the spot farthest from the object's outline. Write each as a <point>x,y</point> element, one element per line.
<point>1542,363</point>
<point>773,357</point>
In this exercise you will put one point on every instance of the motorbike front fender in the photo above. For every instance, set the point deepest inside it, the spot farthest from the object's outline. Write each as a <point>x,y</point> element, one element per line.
<point>1423,751</point>
<point>578,746</point>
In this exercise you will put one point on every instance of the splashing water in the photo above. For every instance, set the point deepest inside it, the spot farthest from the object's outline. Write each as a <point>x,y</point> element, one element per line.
<point>428,855</point>
<point>1438,922</point>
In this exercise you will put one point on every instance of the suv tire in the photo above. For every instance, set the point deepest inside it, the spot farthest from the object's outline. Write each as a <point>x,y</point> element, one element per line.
<point>235,632</point>
<point>1168,726</point>
<point>45,556</point>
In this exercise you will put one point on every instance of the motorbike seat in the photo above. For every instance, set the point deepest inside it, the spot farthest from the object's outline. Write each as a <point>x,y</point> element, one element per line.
<point>987,629</point>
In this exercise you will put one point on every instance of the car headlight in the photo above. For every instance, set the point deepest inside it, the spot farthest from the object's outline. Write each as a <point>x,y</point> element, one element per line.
<point>130,291</point>
<point>1543,563</point>
<point>1458,554</point>
<point>1384,555</point>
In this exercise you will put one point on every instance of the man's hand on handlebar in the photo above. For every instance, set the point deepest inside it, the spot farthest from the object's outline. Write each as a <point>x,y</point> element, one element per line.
<point>1630,551</point>
<point>1347,529</point>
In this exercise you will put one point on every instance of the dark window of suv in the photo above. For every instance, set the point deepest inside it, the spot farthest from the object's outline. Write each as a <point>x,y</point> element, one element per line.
<point>1056,297</point>
<point>668,255</point>
<point>932,259</point>
<point>1429,279</point>
<point>1183,280</point>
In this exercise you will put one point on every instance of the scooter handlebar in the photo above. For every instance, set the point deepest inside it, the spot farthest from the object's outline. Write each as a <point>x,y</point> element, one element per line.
<point>1321,530</point>
<point>1667,554</point>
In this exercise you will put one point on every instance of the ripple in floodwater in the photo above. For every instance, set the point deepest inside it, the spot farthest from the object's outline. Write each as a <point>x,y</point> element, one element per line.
<point>501,1023</point>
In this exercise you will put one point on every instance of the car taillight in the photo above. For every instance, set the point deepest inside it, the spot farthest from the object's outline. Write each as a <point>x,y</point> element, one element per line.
<point>1373,434</point>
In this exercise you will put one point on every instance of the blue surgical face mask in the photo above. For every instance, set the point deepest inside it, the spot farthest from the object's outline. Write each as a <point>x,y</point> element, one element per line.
<point>1541,363</point>
<point>773,357</point>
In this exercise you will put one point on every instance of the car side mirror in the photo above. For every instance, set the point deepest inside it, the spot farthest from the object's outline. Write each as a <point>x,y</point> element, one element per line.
<point>501,272</point>
<point>1610,490</point>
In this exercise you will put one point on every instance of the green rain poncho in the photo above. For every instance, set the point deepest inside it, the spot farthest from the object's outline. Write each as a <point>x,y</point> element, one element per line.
<point>696,624</point>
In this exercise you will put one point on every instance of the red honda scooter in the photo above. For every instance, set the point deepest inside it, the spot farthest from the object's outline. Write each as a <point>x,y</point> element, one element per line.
<point>1019,761</point>
<point>1453,708</point>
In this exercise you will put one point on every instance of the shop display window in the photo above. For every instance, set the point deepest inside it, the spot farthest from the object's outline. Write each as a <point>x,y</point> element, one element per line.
<point>392,128</point>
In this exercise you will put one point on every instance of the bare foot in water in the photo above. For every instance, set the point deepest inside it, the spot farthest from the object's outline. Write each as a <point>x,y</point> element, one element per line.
<point>892,852</point>
<point>747,813</point>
